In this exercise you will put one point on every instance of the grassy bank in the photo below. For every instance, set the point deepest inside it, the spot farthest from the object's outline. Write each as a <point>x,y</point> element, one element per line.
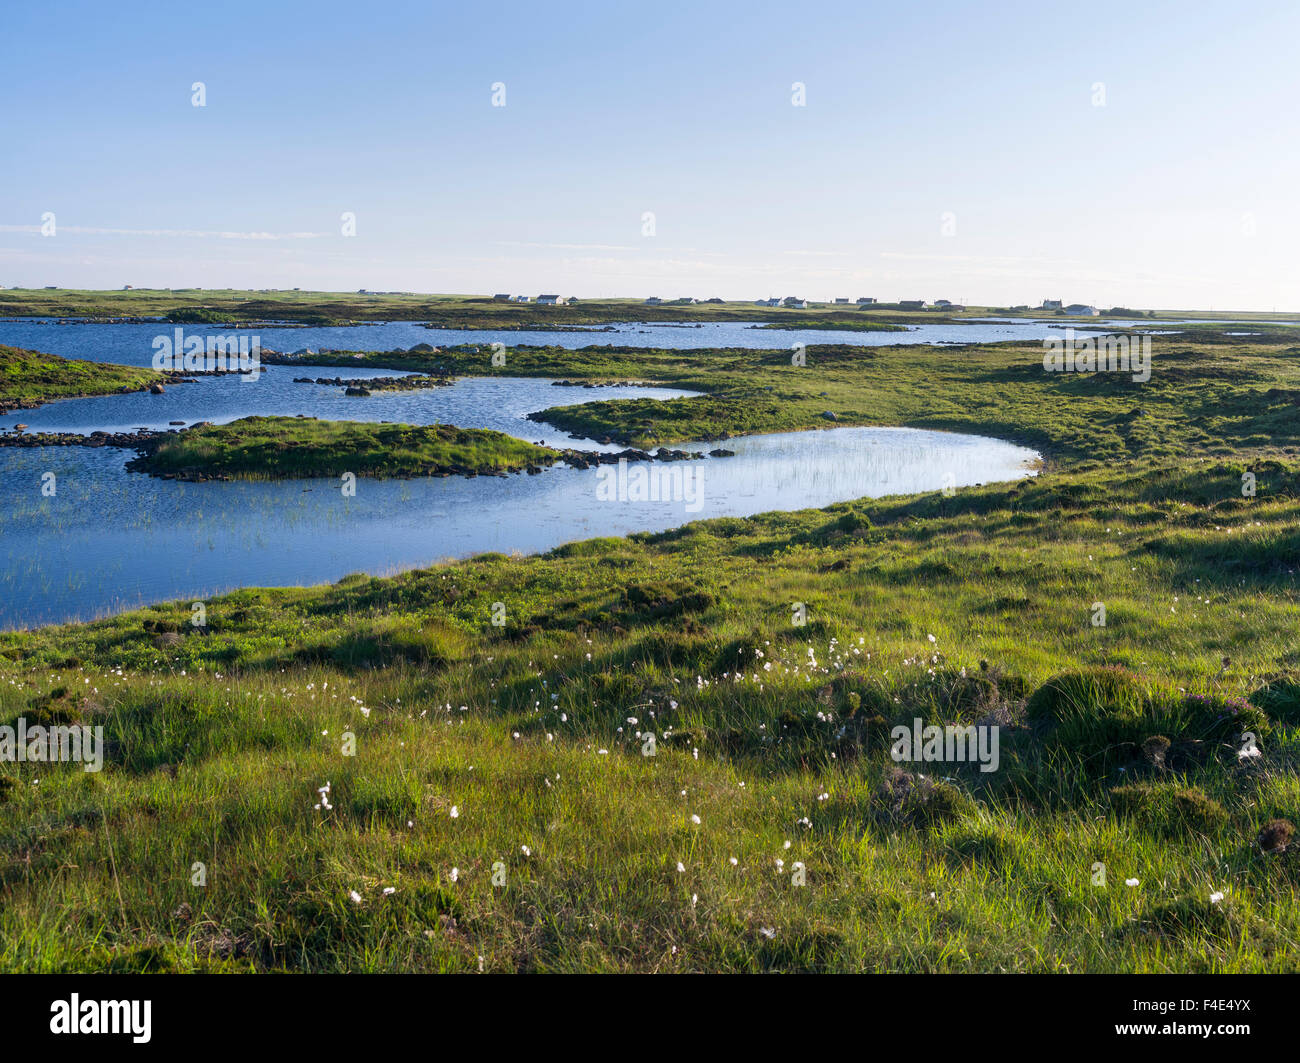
<point>295,447</point>
<point>30,378</point>
<point>498,706</point>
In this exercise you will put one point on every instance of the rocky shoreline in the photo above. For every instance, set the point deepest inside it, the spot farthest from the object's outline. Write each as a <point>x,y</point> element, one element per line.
<point>363,386</point>
<point>605,384</point>
<point>141,437</point>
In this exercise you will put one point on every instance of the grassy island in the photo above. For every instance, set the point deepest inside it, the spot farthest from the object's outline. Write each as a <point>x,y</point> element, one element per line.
<point>30,378</point>
<point>298,447</point>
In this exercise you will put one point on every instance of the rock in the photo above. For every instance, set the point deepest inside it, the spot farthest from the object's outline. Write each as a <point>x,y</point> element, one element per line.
<point>175,422</point>
<point>356,391</point>
<point>829,416</point>
<point>720,453</point>
<point>156,389</point>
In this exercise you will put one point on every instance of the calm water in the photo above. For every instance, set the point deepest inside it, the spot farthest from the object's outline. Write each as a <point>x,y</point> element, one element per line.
<point>132,344</point>
<point>110,540</point>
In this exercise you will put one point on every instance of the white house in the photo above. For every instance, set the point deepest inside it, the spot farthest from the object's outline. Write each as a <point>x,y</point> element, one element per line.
<point>654,300</point>
<point>550,300</point>
<point>1051,304</point>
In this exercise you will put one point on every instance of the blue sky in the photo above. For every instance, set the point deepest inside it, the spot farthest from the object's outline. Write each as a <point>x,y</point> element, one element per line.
<point>945,150</point>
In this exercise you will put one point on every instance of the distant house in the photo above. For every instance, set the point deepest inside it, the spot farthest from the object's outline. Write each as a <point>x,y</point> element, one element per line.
<point>864,301</point>
<point>715,299</point>
<point>504,297</point>
<point>126,287</point>
<point>943,302</point>
<point>1051,304</point>
<point>685,300</point>
<point>911,304</point>
<point>772,302</point>
<point>1082,310</point>
<point>841,300</point>
<point>794,302</point>
<point>521,298</point>
<point>550,300</point>
<point>654,300</point>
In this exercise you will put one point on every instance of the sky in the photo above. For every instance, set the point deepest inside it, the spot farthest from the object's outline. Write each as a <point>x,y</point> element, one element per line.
<point>1001,153</point>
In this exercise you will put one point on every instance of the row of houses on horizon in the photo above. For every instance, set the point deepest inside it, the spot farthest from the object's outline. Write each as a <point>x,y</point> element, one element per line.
<point>541,300</point>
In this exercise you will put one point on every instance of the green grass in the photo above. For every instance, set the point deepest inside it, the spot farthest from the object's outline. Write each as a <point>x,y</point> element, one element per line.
<point>287,447</point>
<point>1119,743</point>
<point>29,378</point>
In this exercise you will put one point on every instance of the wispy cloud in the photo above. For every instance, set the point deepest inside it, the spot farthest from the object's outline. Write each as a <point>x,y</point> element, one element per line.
<point>83,230</point>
